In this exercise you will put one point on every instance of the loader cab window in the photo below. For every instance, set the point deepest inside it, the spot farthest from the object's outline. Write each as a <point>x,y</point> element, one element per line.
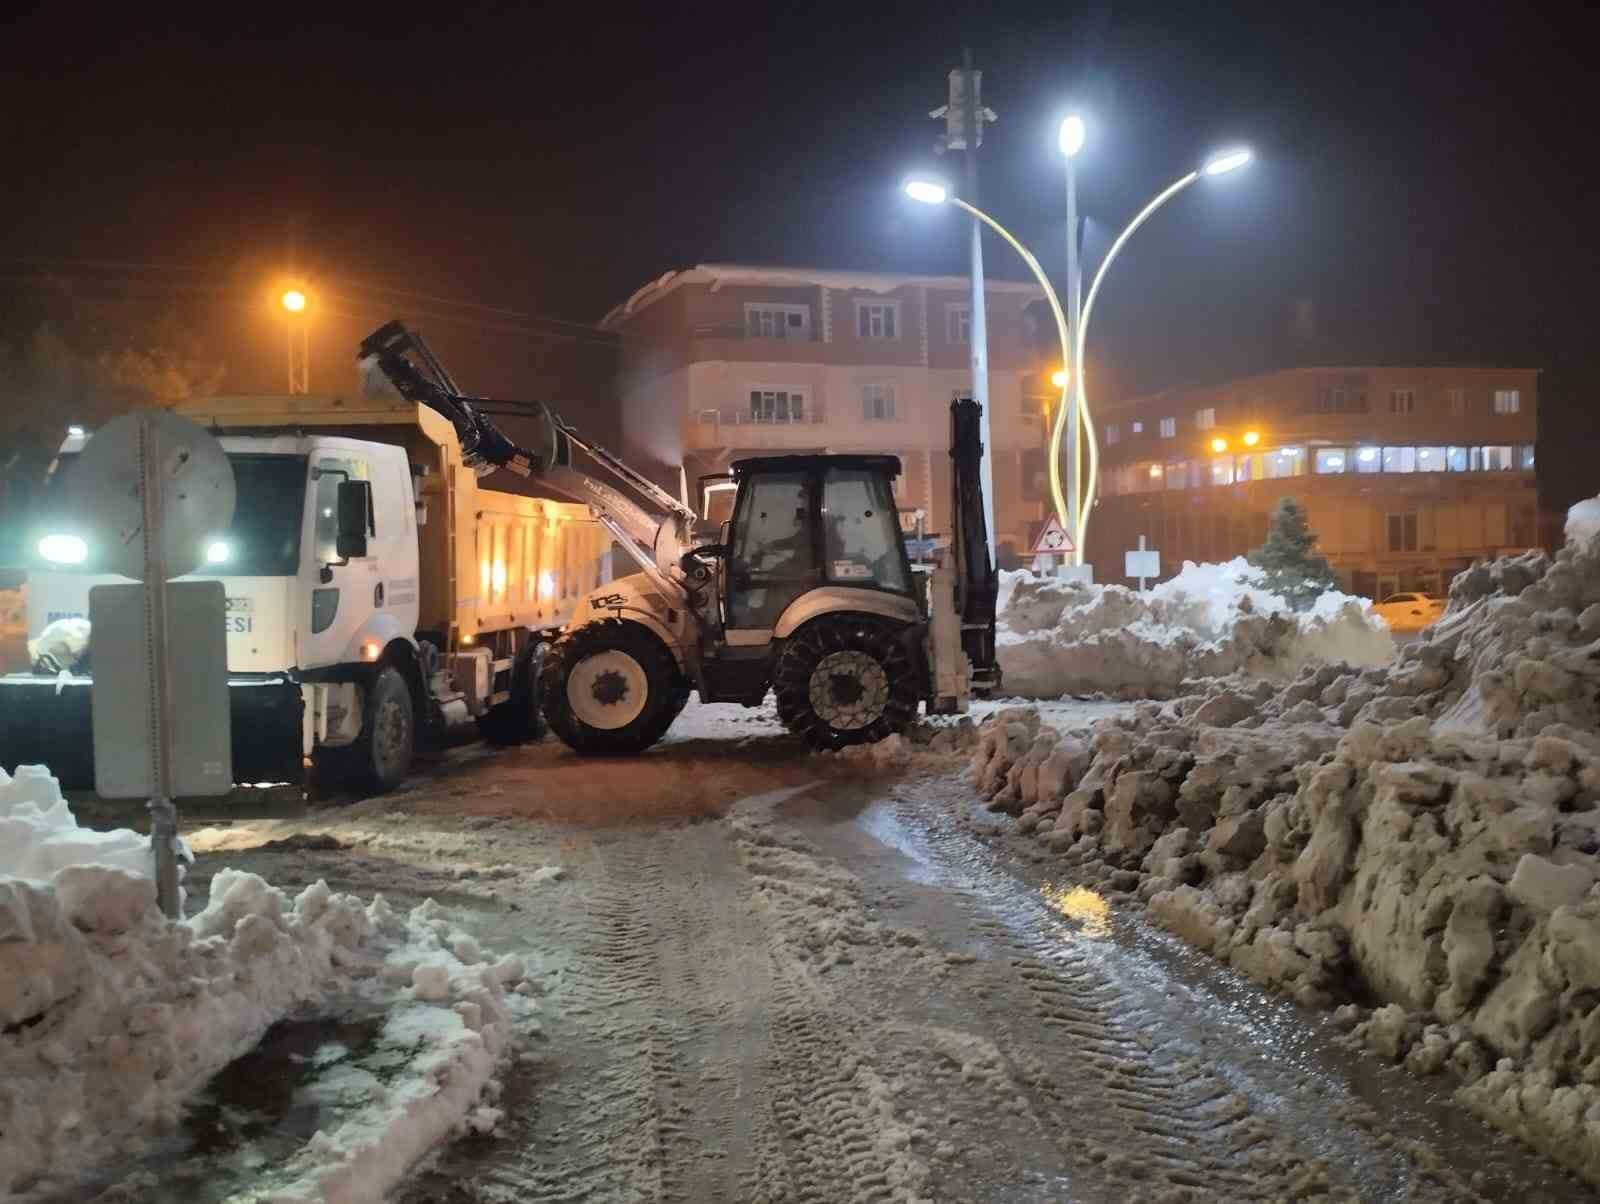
<point>327,485</point>
<point>773,557</point>
<point>861,531</point>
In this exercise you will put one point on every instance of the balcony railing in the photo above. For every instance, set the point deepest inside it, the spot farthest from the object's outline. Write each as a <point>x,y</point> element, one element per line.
<point>743,416</point>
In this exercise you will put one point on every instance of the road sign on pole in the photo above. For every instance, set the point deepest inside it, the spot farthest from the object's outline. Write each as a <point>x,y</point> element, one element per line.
<point>158,492</point>
<point>1052,539</point>
<point>1143,563</point>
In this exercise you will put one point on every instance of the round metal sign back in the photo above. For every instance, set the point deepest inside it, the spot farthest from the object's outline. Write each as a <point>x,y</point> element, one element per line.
<point>194,482</point>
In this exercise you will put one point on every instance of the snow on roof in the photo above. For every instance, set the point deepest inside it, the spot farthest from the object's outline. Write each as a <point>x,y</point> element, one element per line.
<point>718,274</point>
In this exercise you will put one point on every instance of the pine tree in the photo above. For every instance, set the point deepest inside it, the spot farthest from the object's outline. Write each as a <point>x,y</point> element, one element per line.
<point>1288,561</point>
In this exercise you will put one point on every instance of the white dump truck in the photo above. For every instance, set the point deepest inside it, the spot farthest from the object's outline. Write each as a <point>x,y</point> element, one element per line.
<point>376,595</point>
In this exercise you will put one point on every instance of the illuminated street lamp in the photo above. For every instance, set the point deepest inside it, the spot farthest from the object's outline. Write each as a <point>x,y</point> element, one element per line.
<point>1219,164</point>
<point>930,192</point>
<point>1070,140</point>
<point>1059,378</point>
<point>1219,445</point>
<point>294,303</point>
<point>1251,438</point>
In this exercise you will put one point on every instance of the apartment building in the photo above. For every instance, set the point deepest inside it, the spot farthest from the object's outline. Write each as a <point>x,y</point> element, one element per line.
<point>723,361</point>
<point>1408,474</point>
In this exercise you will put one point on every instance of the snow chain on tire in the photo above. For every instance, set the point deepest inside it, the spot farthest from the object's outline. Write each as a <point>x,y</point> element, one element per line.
<point>843,680</point>
<point>634,660</point>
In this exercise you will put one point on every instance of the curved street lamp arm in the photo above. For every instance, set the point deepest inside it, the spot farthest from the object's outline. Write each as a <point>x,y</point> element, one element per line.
<point>1083,326</point>
<point>1061,332</point>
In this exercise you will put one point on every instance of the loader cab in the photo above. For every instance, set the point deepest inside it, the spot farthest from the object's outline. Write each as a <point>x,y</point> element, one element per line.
<point>802,524</point>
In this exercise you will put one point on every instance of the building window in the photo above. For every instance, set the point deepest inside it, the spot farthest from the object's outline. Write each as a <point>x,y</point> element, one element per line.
<point>1402,401</point>
<point>1332,460</point>
<point>777,321</point>
<point>1341,399</point>
<point>1431,459</point>
<point>1403,532</point>
<point>1399,459</point>
<point>1455,459</point>
<point>1222,470</point>
<point>1169,428</point>
<point>877,402</point>
<point>1285,462</point>
<point>777,405</point>
<point>958,323</point>
<point>1495,459</point>
<point>1369,459</point>
<point>1177,474</point>
<point>876,320</point>
<point>1246,467</point>
<point>1205,419</point>
<point>1508,401</point>
<point>1113,434</point>
<point>1458,401</point>
<point>1525,454</point>
<point>1138,428</point>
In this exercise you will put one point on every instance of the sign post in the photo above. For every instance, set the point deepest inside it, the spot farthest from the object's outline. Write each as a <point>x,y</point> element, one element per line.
<point>1143,564</point>
<point>159,493</point>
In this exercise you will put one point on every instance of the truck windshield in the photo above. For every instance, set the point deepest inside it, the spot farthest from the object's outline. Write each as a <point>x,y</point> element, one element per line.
<point>262,541</point>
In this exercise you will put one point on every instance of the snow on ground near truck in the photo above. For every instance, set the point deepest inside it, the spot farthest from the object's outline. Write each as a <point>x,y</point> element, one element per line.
<point>113,1017</point>
<point>1057,637</point>
<point>1426,836</point>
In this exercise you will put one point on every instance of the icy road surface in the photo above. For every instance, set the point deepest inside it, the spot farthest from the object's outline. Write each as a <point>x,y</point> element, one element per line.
<point>774,976</point>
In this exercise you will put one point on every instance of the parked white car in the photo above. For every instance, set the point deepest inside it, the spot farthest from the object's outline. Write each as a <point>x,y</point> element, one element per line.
<point>1410,612</point>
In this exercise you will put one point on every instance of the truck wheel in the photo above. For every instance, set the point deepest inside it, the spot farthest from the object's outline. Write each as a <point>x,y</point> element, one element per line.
<point>518,720</point>
<point>610,688</point>
<point>388,737</point>
<point>843,681</point>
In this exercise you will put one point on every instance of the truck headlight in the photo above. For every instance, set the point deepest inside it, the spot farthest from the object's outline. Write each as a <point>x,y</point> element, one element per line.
<point>63,549</point>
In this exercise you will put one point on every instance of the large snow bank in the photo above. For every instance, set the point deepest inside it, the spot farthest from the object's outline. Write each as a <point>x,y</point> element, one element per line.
<point>111,1015</point>
<point>1057,637</point>
<point>1583,520</point>
<point>1427,835</point>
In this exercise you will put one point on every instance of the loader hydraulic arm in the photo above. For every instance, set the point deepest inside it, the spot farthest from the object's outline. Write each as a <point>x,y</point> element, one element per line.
<point>656,540</point>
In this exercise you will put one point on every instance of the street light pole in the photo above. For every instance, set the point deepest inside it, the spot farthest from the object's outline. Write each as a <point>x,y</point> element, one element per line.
<point>1071,142</point>
<point>978,326</point>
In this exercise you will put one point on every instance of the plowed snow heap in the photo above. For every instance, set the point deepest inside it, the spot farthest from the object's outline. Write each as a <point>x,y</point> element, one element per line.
<point>1424,836</point>
<point>1057,637</point>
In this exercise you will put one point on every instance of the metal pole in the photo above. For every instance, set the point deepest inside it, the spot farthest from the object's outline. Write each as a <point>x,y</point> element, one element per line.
<point>163,813</point>
<point>979,326</point>
<point>1075,498</point>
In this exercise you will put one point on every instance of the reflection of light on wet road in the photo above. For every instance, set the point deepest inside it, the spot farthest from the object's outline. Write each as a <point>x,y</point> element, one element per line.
<point>1087,907</point>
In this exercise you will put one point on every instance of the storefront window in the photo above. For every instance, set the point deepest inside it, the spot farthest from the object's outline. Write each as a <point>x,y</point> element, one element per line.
<point>1496,459</point>
<point>1369,459</point>
<point>1286,462</point>
<point>1332,460</point>
<point>1242,471</point>
<point>1177,474</point>
<point>1526,457</point>
<point>1222,470</point>
<point>1455,459</point>
<point>1430,459</point>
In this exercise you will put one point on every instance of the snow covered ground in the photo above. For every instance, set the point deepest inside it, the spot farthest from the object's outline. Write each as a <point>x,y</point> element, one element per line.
<point>1057,638</point>
<point>113,1018</point>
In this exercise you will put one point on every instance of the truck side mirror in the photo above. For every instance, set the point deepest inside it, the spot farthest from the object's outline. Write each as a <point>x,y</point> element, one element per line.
<point>355,509</point>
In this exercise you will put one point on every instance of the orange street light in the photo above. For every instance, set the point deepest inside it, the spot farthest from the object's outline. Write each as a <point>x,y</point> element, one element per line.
<point>1155,470</point>
<point>1059,378</point>
<point>1251,438</point>
<point>294,301</point>
<point>1219,444</point>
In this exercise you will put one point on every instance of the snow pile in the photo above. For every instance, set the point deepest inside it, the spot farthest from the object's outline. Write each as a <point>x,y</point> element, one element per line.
<point>111,1015</point>
<point>1428,835</point>
<point>1583,520</point>
<point>1057,637</point>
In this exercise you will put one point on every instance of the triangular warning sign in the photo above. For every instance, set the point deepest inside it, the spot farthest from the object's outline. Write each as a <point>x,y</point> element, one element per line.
<point>1053,539</point>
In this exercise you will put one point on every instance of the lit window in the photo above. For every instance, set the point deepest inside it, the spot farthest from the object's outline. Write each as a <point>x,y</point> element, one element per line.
<point>777,405</point>
<point>876,320</point>
<point>958,324</point>
<point>1369,459</point>
<point>1113,433</point>
<point>1402,401</point>
<point>1399,459</point>
<point>1205,419</point>
<point>1525,454</point>
<point>777,321</point>
<point>1286,462</point>
<point>1332,460</point>
<point>1138,428</point>
<point>1247,468</point>
<point>1455,459</point>
<point>1169,428</point>
<point>1496,459</point>
<point>1430,459</point>
<point>1222,470</point>
<point>1458,401</point>
<point>1177,474</point>
<point>877,402</point>
<point>1508,401</point>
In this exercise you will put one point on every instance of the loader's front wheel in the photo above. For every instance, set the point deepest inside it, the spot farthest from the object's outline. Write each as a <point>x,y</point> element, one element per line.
<point>843,680</point>
<point>610,688</point>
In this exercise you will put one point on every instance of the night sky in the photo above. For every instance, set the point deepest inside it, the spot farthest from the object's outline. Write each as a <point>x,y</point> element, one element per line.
<point>1423,192</point>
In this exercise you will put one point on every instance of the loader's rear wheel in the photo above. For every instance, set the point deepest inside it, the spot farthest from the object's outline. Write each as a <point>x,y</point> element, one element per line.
<point>610,688</point>
<point>843,681</point>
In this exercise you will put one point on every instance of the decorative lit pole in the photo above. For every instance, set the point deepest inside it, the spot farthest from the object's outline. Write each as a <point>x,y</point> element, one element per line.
<point>930,192</point>
<point>1215,166</point>
<point>1071,139</point>
<point>294,307</point>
